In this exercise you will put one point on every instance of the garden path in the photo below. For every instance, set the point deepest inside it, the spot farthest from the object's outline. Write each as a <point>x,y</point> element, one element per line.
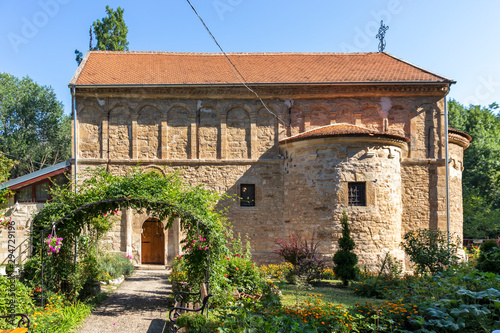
<point>139,305</point>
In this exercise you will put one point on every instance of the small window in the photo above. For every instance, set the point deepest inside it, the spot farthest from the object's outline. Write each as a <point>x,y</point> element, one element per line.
<point>247,195</point>
<point>357,194</point>
<point>42,192</point>
<point>59,180</point>
<point>25,194</point>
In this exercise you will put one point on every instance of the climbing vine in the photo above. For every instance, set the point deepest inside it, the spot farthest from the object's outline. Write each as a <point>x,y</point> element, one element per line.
<point>101,194</point>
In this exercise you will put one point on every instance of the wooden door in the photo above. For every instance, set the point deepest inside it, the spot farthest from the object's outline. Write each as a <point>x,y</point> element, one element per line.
<point>153,243</point>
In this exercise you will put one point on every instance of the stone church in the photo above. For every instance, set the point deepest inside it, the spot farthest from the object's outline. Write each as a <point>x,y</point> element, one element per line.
<point>360,132</point>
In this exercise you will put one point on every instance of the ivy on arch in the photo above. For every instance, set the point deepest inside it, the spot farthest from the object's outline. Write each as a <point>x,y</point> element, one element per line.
<point>162,196</point>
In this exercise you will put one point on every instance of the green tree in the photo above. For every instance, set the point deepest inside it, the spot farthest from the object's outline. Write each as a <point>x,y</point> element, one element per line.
<point>111,33</point>
<point>33,127</point>
<point>6,165</point>
<point>481,176</point>
<point>344,259</point>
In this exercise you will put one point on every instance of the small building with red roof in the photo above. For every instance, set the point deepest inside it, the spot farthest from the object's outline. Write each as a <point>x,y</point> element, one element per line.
<point>30,193</point>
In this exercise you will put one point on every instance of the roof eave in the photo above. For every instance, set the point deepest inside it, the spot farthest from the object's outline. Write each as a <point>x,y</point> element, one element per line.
<point>133,85</point>
<point>36,174</point>
<point>421,68</point>
<point>347,135</point>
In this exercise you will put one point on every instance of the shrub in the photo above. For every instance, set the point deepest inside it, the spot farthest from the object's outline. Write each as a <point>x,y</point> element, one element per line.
<point>429,250</point>
<point>60,273</point>
<point>23,302</point>
<point>115,264</point>
<point>489,259</point>
<point>303,255</point>
<point>468,311</point>
<point>489,245</point>
<point>344,259</point>
<point>328,274</point>
<point>278,272</point>
<point>389,275</point>
<point>236,274</point>
<point>194,321</point>
<point>59,315</point>
<point>385,317</point>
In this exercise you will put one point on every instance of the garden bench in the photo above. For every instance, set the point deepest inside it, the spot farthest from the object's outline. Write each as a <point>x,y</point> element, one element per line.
<point>23,321</point>
<point>183,305</point>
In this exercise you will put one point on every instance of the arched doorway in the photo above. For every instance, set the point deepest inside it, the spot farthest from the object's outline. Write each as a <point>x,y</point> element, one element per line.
<point>153,243</point>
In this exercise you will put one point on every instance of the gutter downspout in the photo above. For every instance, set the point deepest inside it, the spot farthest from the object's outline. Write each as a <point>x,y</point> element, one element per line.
<point>447,171</point>
<point>73,106</point>
<point>75,156</point>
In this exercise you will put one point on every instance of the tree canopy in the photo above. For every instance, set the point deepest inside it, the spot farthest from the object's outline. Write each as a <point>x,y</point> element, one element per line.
<point>33,128</point>
<point>481,177</point>
<point>111,33</point>
<point>6,165</point>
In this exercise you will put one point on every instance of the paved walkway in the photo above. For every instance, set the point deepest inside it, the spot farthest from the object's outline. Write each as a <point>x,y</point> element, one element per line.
<point>139,305</point>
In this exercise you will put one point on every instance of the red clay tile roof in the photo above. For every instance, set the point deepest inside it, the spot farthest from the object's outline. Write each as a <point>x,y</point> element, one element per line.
<point>165,68</point>
<point>460,136</point>
<point>464,135</point>
<point>342,129</point>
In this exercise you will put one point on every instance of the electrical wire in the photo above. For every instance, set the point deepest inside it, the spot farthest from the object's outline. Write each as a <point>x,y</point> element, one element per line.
<point>233,66</point>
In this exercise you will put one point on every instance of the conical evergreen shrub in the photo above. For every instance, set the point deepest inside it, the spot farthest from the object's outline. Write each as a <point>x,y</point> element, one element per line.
<point>344,259</point>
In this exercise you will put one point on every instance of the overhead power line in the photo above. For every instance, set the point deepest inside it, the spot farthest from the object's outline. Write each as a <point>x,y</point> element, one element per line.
<point>233,66</point>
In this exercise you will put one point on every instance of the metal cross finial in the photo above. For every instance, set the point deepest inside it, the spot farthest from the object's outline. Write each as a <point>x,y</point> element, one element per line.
<point>381,34</point>
<point>90,43</point>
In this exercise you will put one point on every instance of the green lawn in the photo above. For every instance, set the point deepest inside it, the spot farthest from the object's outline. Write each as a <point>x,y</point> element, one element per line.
<point>330,293</point>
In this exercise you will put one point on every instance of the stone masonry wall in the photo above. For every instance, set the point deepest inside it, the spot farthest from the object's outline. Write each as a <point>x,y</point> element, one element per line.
<point>262,223</point>
<point>456,200</point>
<point>22,217</point>
<point>224,142</point>
<point>316,175</point>
<point>135,128</point>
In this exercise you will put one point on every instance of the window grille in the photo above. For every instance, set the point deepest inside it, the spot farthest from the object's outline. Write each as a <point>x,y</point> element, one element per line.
<point>357,194</point>
<point>247,195</point>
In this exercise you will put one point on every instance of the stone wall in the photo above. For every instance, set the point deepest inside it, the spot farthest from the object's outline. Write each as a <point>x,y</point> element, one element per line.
<point>21,215</point>
<point>223,139</point>
<point>316,175</point>
<point>456,200</point>
<point>135,128</point>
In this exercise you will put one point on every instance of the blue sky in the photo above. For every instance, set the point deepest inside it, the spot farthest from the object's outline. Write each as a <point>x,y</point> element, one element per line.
<point>457,39</point>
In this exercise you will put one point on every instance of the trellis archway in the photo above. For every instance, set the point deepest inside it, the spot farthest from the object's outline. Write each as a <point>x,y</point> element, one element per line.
<point>164,197</point>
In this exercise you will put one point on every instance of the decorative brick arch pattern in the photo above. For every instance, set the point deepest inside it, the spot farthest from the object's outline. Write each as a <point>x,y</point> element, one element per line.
<point>399,121</point>
<point>296,121</point>
<point>89,132</point>
<point>119,133</point>
<point>320,116</point>
<point>148,132</point>
<point>266,134</point>
<point>344,114</point>
<point>238,134</point>
<point>371,118</point>
<point>209,133</point>
<point>179,133</point>
<point>431,130</point>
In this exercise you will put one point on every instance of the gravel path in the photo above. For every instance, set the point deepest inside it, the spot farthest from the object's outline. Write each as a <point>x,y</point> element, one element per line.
<point>139,305</point>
